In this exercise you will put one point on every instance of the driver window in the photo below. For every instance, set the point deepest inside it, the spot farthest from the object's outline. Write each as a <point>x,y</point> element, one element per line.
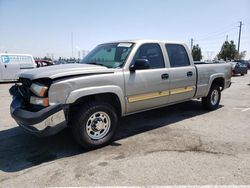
<point>151,52</point>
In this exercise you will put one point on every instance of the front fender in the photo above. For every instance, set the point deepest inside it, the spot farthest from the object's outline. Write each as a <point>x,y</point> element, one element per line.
<point>76,94</point>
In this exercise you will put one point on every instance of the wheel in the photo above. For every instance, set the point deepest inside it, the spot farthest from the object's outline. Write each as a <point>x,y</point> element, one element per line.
<point>212,100</point>
<point>94,125</point>
<point>242,74</point>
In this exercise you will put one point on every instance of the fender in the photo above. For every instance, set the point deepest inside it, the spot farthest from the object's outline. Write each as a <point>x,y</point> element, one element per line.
<point>76,94</point>
<point>212,78</point>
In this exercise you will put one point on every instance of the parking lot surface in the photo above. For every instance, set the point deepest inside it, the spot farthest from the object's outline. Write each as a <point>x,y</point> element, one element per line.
<point>176,145</point>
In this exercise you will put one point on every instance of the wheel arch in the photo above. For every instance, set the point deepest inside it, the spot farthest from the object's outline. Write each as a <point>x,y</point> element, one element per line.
<point>111,94</point>
<point>218,79</point>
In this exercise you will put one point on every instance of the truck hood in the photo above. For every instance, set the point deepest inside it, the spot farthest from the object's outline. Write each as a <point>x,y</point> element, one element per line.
<point>57,71</point>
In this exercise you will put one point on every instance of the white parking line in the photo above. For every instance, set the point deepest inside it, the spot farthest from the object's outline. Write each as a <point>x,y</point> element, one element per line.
<point>242,109</point>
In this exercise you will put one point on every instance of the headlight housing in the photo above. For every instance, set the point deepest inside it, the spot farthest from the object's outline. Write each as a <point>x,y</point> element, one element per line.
<point>39,90</point>
<point>39,101</point>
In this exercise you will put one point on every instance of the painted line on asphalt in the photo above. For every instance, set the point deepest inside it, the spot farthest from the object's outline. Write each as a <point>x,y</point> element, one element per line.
<point>242,109</point>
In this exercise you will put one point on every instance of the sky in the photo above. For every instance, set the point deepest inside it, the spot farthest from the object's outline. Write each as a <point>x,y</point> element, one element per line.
<point>46,27</point>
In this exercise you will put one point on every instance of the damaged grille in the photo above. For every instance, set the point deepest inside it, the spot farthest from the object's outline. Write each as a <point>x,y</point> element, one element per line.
<point>22,89</point>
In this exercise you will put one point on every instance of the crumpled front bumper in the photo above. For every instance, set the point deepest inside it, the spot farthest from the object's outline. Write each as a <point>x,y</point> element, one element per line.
<point>46,122</point>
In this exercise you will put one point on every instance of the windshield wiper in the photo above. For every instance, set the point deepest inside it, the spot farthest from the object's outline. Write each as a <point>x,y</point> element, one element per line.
<point>94,63</point>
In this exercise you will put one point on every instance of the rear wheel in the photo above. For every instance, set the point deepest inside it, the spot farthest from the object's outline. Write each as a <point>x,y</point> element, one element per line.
<point>94,125</point>
<point>212,100</point>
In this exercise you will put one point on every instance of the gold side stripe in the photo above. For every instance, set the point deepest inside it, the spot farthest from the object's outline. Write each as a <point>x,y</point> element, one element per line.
<point>147,96</point>
<point>181,90</point>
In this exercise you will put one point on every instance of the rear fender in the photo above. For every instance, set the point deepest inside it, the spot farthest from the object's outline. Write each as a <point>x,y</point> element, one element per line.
<point>212,78</point>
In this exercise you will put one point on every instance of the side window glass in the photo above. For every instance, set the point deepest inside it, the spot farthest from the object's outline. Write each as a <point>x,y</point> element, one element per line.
<point>151,52</point>
<point>177,55</point>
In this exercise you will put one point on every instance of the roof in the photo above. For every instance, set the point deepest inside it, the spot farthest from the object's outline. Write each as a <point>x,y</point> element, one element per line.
<point>16,54</point>
<point>146,41</point>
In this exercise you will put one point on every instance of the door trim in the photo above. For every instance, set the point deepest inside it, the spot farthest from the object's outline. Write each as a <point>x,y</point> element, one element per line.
<point>146,96</point>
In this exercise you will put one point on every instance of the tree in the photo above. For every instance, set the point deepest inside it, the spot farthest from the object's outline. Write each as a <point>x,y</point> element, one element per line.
<point>196,53</point>
<point>241,55</point>
<point>228,51</point>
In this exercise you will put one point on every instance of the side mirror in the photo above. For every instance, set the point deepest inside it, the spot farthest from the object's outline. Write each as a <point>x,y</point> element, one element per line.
<point>139,64</point>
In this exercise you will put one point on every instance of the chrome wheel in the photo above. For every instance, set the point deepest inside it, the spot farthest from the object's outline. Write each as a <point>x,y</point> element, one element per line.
<point>98,125</point>
<point>214,97</point>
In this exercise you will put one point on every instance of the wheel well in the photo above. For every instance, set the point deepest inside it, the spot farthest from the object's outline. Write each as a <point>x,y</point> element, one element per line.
<point>219,81</point>
<point>111,98</point>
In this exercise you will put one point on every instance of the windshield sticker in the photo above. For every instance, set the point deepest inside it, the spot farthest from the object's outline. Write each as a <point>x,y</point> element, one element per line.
<point>117,64</point>
<point>124,45</point>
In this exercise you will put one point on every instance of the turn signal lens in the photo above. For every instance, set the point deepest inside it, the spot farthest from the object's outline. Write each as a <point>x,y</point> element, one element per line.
<point>39,101</point>
<point>39,90</point>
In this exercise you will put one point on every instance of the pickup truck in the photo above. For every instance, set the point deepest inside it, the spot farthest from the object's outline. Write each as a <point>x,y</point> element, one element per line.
<point>115,79</point>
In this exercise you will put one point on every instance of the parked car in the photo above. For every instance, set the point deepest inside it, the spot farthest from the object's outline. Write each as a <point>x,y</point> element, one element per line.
<point>43,63</point>
<point>12,64</point>
<point>115,79</point>
<point>239,68</point>
<point>59,62</point>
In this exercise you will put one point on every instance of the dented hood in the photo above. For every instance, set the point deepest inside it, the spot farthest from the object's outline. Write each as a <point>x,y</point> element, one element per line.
<point>57,71</point>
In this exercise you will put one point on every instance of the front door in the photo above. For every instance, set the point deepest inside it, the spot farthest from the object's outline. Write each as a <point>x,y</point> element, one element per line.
<point>147,88</point>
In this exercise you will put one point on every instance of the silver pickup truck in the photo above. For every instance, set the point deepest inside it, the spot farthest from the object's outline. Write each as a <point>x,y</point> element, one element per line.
<point>115,79</point>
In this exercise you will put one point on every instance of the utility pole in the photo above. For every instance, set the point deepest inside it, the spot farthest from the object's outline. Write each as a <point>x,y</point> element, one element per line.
<point>192,41</point>
<point>239,36</point>
<point>227,38</point>
<point>72,48</point>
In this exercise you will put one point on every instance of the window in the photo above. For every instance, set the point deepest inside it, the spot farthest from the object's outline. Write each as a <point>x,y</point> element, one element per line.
<point>111,55</point>
<point>177,55</point>
<point>151,52</point>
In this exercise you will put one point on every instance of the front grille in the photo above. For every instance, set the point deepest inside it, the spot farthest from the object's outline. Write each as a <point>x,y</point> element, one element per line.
<point>25,81</point>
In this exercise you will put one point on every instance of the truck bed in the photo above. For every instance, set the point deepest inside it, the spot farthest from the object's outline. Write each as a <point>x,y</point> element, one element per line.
<point>205,71</point>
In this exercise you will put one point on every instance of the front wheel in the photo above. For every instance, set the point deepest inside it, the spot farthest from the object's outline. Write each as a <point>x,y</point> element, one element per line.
<point>212,100</point>
<point>94,125</point>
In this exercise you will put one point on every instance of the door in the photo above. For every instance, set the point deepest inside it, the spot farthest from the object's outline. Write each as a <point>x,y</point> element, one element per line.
<point>147,88</point>
<point>10,67</point>
<point>181,73</point>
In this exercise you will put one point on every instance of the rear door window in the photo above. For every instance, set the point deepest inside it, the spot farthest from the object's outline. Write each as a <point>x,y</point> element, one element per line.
<point>177,55</point>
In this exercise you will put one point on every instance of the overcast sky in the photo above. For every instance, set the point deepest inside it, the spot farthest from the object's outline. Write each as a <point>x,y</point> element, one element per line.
<point>40,27</point>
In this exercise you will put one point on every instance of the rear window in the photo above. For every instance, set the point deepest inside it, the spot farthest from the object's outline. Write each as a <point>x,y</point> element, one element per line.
<point>177,55</point>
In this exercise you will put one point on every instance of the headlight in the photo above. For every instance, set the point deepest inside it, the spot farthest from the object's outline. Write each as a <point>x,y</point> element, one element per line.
<point>39,101</point>
<point>39,90</point>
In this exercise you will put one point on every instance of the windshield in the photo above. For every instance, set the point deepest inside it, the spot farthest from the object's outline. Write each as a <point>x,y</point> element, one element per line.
<point>111,55</point>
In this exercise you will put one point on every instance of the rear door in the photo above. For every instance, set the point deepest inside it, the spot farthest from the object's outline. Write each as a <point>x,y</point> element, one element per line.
<point>10,67</point>
<point>27,62</point>
<point>182,73</point>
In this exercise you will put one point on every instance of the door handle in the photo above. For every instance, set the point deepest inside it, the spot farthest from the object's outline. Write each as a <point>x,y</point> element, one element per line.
<point>5,66</point>
<point>189,73</point>
<point>164,76</point>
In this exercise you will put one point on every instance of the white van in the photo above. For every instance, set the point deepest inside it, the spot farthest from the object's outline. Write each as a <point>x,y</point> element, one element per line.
<point>12,64</point>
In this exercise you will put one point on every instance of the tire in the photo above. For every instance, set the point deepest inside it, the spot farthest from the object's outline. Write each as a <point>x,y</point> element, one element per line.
<point>212,100</point>
<point>242,74</point>
<point>94,125</point>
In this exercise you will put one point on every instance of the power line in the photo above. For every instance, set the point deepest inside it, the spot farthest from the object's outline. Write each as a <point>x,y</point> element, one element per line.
<point>222,33</point>
<point>216,32</point>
